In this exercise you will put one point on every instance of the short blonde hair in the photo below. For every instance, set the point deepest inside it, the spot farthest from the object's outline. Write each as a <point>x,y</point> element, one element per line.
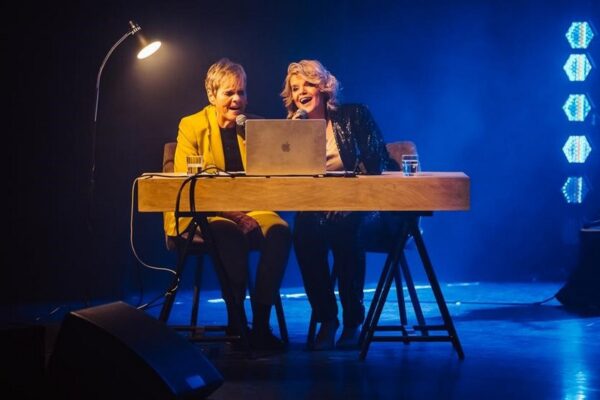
<point>314,72</point>
<point>219,72</point>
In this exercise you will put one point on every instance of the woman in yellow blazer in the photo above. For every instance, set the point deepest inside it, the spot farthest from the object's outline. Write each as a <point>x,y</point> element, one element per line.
<point>211,132</point>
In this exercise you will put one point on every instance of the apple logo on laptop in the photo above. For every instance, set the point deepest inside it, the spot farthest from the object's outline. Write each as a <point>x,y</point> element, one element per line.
<point>285,147</point>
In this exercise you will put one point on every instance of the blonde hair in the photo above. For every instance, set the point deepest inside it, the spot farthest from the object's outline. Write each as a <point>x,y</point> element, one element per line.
<point>314,72</point>
<point>218,72</point>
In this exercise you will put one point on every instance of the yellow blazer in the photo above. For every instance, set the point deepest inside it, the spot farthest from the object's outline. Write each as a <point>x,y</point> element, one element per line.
<point>199,134</point>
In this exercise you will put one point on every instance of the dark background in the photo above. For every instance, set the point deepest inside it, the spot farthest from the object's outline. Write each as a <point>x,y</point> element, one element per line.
<point>478,85</point>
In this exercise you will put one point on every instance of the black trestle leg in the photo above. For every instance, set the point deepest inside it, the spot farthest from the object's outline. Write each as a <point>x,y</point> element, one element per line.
<point>390,261</point>
<point>375,300</point>
<point>165,311</point>
<point>387,283</point>
<point>435,287</point>
<point>396,269</point>
<point>196,297</point>
<point>412,292</point>
<point>400,294</point>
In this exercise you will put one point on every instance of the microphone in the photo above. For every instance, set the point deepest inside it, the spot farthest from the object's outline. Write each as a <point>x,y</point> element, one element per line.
<point>300,114</point>
<point>240,122</point>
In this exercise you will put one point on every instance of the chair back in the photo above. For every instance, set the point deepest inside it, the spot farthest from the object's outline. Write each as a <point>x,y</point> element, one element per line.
<point>169,157</point>
<point>379,230</point>
<point>396,150</point>
<point>168,165</point>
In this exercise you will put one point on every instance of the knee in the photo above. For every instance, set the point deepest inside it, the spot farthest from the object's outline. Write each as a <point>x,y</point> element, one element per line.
<point>279,232</point>
<point>306,225</point>
<point>225,231</point>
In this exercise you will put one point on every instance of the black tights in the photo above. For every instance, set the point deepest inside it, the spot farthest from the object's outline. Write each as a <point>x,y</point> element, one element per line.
<point>233,248</point>
<point>314,235</point>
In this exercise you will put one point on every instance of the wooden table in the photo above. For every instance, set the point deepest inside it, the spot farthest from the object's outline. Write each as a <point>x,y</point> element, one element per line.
<point>427,191</point>
<point>416,195</point>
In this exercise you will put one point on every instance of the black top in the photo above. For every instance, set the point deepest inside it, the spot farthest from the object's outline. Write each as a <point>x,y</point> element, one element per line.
<point>361,145</point>
<point>231,150</point>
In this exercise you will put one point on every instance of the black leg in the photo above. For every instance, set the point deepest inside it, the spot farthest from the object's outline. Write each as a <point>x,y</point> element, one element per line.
<point>387,282</point>
<point>391,272</point>
<point>283,332</point>
<point>400,293</point>
<point>312,326</point>
<point>391,259</point>
<point>312,331</point>
<point>375,300</point>
<point>224,279</point>
<point>196,298</point>
<point>172,291</point>
<point>435,287</point>
<point>412,292</point>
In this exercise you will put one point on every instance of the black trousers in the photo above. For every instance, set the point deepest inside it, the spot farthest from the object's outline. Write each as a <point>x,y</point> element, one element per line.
<point>315,234</point>
<point>233,247</point>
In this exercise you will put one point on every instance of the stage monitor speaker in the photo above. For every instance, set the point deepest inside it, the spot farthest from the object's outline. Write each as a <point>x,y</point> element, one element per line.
<point>22,361</point>
<point>115,351</point>
<point>582,290</point>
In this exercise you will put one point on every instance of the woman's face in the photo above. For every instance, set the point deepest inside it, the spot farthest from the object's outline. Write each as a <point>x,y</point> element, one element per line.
<point>230,101</point>
<point>307,96</point>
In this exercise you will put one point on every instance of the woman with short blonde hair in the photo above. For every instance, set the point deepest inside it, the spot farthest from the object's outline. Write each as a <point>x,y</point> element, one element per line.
<point>314,72</point>
<point>211,133</point>
<point>222,70</point>
<point>354,144</point>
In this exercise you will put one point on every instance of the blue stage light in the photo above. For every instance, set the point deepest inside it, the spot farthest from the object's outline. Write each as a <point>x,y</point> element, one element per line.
<point>577,149</point>
<point>580,35</point>
<point>575,189</point>
<point>577,107</point>
<point>577,67</point>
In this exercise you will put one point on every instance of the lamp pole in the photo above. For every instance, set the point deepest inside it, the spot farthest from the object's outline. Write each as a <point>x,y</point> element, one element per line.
<point>133,29</point>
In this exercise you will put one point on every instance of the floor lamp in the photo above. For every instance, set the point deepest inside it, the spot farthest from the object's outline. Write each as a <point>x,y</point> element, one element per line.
<point>146,50</point>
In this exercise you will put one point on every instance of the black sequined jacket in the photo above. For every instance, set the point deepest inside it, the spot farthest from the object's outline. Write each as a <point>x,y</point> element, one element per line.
<point>359,140</point>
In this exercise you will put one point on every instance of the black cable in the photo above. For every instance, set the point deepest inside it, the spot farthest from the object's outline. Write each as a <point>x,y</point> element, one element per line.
<point>592,224</point>
<point>539,303</point>
<point>150,303</point>
<point>192,181</point>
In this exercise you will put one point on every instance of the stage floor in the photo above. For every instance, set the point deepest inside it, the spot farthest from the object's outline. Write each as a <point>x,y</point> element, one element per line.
<point>515,348</point>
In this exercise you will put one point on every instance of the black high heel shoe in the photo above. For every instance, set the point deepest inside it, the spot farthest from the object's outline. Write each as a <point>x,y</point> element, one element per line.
<point>348,339</point>
<point>325,339</point>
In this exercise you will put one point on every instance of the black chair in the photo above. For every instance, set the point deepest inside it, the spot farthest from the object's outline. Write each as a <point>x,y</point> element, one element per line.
<point>384,244</point>
<point>184,248</point>
<point>405,228</point>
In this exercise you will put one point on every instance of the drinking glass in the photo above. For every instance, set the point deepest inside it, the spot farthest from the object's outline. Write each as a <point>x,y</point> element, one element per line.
<point>410,164</point>
<point>194,164</point>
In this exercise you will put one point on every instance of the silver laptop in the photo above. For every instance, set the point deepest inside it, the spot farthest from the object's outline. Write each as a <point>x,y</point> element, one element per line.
<point>285,147</point>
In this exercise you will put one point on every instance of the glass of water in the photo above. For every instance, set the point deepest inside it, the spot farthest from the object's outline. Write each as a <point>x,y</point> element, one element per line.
<point>194,164</point>
<point>410,164</point>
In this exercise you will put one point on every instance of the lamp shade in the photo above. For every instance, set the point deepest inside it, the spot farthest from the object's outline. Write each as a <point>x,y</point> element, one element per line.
<point>147,48</point>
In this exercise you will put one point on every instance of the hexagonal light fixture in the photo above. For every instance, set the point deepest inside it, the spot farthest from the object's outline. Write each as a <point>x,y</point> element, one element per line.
<point>579,35</point>
<point>575,189</point>
<point>577,67</point>
<point>577,149</point>
<point>577,107</point>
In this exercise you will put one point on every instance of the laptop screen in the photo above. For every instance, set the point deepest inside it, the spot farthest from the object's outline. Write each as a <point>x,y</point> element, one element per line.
<point>285,147</point>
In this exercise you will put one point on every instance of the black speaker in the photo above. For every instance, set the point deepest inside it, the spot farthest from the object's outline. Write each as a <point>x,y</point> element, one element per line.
<point>582,290</point>
<point>115,351</point>
<point>22,362</point>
